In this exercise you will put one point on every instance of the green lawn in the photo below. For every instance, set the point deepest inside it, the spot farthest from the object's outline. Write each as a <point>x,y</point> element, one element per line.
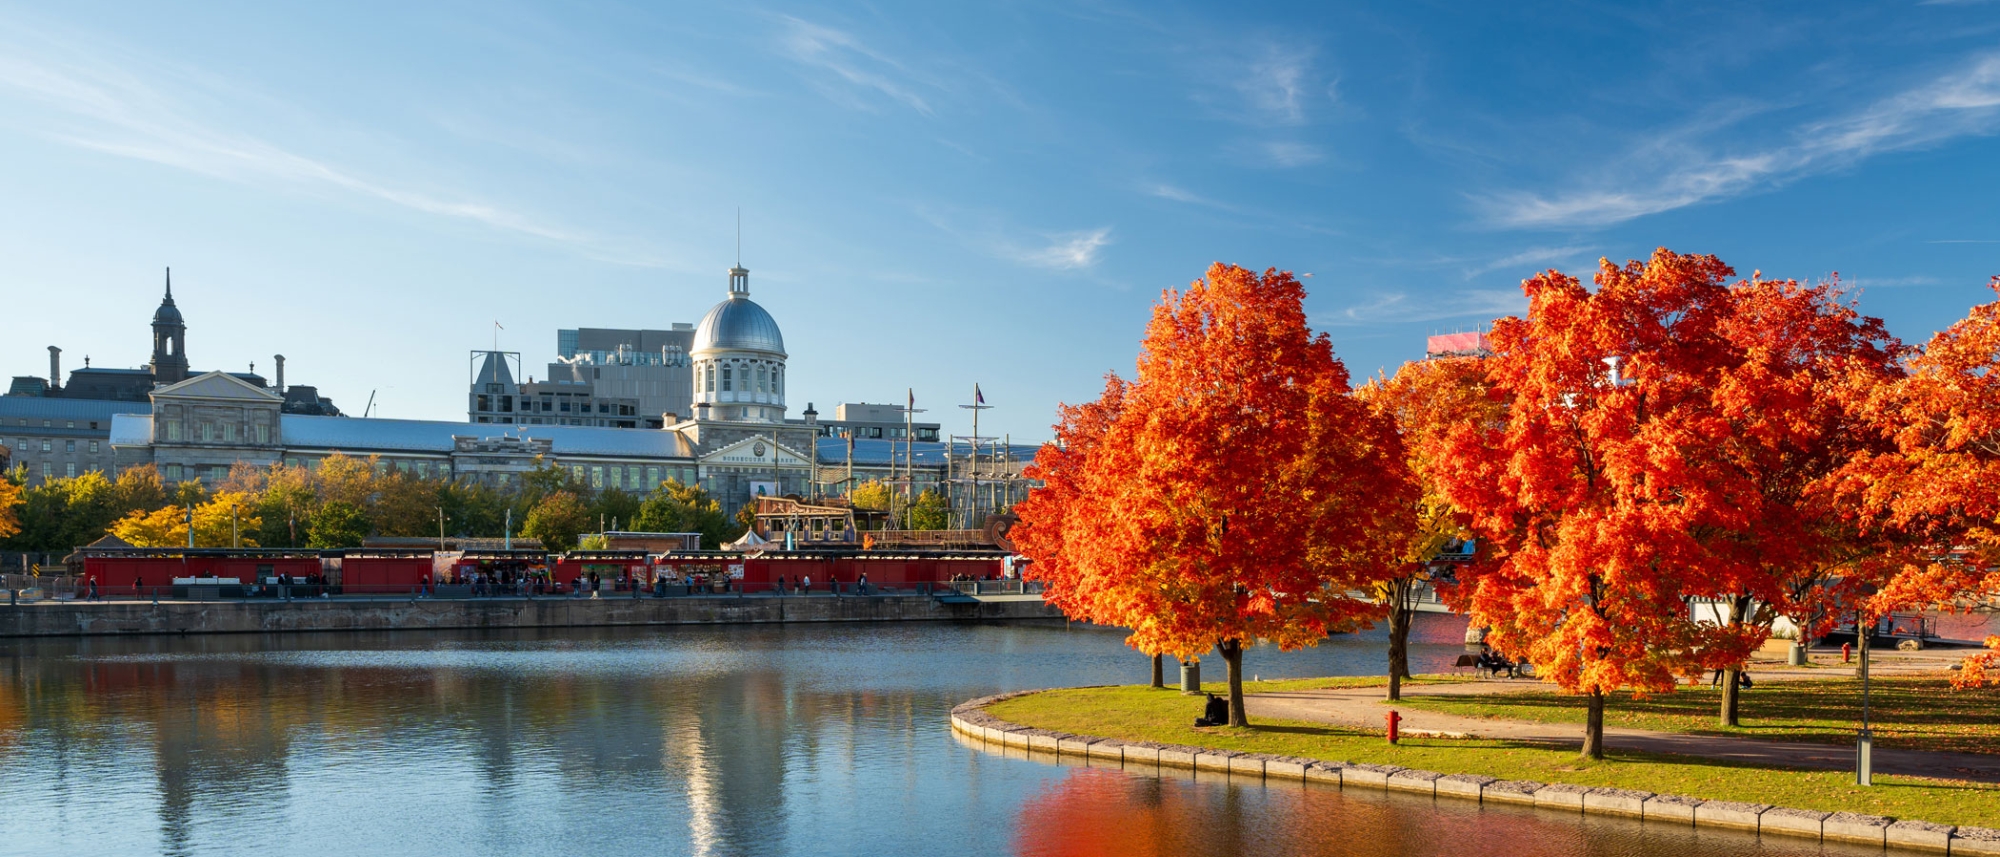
<point>1144,714</point>
<point>1907,712</point>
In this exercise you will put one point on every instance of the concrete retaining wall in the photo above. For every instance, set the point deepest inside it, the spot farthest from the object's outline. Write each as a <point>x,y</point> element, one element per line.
<point>971,721</point>
<point>68,619</point>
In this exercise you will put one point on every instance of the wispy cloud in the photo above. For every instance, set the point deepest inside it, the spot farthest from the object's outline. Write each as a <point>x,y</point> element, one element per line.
<point>1283,154</point>
<point>1069,251</point>
<point>104,107</point>
<point>856,68</point>
<point>1538,257</point>
<point>1961,103</point>
<point>1912,280</point>
<point>1402,307</point>
<point>1965,241</point>
<point>1057,251</point>
<point>1177,193</point>
<point>1275,84</point>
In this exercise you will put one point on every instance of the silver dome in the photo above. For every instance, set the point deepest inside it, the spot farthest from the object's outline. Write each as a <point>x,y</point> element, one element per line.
<point>738,324</point>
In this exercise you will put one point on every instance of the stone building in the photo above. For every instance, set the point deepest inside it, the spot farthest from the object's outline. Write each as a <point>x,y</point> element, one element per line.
<point>737,441</point>
<point>60,429</point>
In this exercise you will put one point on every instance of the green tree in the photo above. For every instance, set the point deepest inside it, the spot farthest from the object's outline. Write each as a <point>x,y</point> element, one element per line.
<point>558,520</point>
<point>929,512</point>
<point>139,490</point>
<point>337,524</point>
<point>677,508</point>
<point>405,505</point>
<point>615,507</point>
<point>473,509</point>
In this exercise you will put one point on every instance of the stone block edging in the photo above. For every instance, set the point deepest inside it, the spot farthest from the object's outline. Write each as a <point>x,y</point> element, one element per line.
<point>970,718</point>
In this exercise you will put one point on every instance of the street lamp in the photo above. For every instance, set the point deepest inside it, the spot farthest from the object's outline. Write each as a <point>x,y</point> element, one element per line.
<point>1864,743</point>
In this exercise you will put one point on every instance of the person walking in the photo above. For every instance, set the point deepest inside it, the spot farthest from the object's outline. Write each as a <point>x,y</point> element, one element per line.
<point>780,591</point>
<point>138,586</point>
<point>805,584</point>
<point>93,587</point>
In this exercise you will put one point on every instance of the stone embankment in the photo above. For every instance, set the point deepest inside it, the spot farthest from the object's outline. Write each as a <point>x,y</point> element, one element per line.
<point>261,616</point>
<point>971,720</point>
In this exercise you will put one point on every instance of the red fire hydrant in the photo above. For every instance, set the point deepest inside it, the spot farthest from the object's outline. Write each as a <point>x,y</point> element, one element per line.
<point>1846,651</point>
<point>1395,719</point>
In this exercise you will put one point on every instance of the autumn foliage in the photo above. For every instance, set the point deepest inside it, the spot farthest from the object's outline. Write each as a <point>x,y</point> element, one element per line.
<point>1233,492</point>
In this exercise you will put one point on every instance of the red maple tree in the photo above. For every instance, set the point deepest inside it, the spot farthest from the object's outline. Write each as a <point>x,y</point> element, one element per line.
<point>1234,492</point>
<point>1595,493</point>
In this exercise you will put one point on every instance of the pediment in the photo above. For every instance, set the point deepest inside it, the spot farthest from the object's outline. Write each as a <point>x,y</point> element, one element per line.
<point>218,385</point>
<point>755,452</point>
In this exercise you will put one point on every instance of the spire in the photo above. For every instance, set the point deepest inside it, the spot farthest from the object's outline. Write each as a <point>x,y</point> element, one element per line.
<point>170,287</point>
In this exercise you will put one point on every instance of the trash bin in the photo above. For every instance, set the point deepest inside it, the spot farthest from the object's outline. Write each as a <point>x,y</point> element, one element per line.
<point>1796,655</point>
<point>1191,678</point>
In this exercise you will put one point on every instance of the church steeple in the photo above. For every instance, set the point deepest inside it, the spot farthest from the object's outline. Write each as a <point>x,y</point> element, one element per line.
<point>170,364</point>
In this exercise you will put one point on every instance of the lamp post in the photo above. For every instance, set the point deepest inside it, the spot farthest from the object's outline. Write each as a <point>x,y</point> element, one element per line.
<point>440,527</point>
<point>189,510</point>
<point>1864,743</point>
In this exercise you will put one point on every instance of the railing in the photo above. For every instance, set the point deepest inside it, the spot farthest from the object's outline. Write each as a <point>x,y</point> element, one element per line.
<point>472,592</point>
<point>996,587</point>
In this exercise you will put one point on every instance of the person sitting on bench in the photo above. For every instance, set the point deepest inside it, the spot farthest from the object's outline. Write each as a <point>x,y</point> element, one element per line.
<point>1216,713</point>
<point>1494,664</point>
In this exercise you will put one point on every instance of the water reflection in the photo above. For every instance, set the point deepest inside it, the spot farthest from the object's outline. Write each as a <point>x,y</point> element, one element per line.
<point>792,740</point>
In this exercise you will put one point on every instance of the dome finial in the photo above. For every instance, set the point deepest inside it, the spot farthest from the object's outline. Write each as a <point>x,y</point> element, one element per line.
<point>170,286</point>
<point>739,282</point>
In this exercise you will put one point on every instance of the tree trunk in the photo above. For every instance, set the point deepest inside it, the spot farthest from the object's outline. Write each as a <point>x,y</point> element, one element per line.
<point>1232,655</point>
<point>1159,671</point>
<point>1401,613</point>
<point>1593,727</point>
<point>1738,606</point>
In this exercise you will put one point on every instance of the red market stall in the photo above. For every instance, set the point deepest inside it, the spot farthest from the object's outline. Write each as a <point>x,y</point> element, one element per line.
<point>377,571</point>
<point>142,571</point>
<point>612,567</point>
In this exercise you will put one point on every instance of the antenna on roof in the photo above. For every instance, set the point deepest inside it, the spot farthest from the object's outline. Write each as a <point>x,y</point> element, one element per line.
<point>739,236</point>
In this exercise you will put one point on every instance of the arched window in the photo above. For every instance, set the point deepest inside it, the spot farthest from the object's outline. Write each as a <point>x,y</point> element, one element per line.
<point>725,379</point>
<point>777,378</point>
<point>763,385</point>
<point>710,387</point>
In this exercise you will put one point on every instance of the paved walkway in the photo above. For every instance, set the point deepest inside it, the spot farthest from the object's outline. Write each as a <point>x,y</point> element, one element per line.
<point>1365,708</point>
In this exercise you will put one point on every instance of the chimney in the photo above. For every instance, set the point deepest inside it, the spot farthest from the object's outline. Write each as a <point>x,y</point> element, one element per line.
<point>281,373</point>
<point>55,368</point>
<point>670,418</point>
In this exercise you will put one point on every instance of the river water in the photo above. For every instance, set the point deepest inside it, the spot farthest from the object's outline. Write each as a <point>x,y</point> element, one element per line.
<point>754,740</point>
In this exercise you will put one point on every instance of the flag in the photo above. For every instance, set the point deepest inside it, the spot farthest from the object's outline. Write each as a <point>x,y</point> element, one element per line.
<point>978,398</point>
<point>497,324</point>
<point>913,398</point>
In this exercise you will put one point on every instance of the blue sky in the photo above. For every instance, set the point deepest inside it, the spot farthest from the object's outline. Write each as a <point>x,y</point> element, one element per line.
<point>936,194</point>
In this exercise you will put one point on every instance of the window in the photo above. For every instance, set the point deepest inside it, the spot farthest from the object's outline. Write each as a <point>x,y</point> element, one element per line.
<point>69,447</point>
<point>48,470</point>
<point>45,446</point>
<point>70,424</point>
<point>485,403</point>
<point>229,432</point>
<point>93,447</point>
<point>576,472</point>
<point>762,383</point>
<point>263,434</point>
<point>173,431</point>
<point>777,376</point>
<point>596,476</point>
<point>652,477</point>
<point>207,432</point>
<point>174,472</point>
<point>69,470</point>
<point>725,379</point>
<point>711,378</point>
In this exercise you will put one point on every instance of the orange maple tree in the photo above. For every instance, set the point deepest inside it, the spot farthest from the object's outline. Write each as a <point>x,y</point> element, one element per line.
<point>1425,400</point>
<point>1936,486</point>
<point>1233,492</point>
<point>1595,493</point>
<point>1780,428</point>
